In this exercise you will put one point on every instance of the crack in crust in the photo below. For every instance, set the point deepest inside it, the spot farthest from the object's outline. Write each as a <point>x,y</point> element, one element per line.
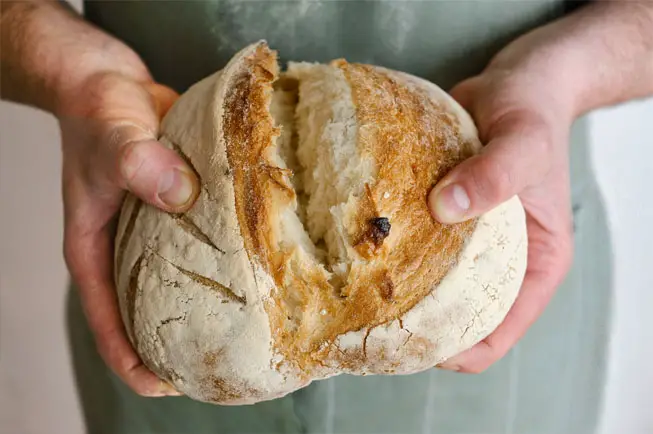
<point>367,335</point>
<point>410,335</point>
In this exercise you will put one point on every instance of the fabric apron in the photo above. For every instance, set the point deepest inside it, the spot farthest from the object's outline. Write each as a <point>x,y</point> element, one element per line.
<point>550,383</point>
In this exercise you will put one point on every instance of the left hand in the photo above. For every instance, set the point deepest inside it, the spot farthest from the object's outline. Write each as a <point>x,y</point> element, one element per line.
<point>109,129</point>
<point>523,117</point>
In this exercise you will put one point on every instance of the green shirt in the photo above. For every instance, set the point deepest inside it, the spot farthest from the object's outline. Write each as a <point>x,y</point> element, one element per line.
<point>551,382</point>
<point>443,41</point>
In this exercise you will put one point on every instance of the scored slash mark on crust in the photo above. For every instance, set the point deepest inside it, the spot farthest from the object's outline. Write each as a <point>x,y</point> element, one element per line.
<point>183,220</point>
<point>203,280</point>
<point>209,283</point>
<point>129,229</point>
<point>190,227</point>
<point>132,289</point>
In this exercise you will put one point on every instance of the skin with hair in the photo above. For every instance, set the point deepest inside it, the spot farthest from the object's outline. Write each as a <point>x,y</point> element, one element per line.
<point>524,102</point>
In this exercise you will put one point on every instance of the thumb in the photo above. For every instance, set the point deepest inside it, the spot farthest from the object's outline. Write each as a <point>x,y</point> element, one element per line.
<point>141,164</point>
<point>517,155</point>
<point>156,174</point>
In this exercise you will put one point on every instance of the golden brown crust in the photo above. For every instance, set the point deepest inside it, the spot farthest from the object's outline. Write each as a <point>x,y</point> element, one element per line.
<point>248,131</point>
<point>404,265</point>
<point>409,137</point>
<point>406,251</point>
<point>226,389</point>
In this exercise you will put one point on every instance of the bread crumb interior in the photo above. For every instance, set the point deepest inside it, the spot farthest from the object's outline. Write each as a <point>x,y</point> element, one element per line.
<point>313,106</point>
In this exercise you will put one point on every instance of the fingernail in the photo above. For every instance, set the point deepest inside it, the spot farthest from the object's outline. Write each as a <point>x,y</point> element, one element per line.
<point>175,187</point>
<point>451,204</point>
<point>167,390</point>
<point>448,366</point>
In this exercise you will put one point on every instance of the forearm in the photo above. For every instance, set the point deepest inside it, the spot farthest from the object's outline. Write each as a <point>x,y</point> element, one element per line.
<point>48,52</point>
<point>598,56</point>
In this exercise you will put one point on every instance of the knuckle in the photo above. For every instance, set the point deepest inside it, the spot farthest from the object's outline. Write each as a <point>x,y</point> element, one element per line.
<point>539,134</point>
<point>464,92</point>
<point>130,160</point>
<point>101,90</point>
<point>492,182</point>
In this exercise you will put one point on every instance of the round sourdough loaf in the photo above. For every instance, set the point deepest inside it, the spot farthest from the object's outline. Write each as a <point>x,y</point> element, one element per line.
<point>310,251</point>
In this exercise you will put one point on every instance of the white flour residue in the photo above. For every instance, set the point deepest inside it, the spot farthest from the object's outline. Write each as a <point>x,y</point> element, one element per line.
<point>240,22</point>
<point>395,19</point>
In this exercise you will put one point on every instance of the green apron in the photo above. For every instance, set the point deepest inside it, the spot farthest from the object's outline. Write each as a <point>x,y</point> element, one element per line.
<point>550,383</point>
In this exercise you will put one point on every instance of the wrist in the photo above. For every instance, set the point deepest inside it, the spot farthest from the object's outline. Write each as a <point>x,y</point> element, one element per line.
<point>618,59</point>
<point>599,56</point>
<point>537,80</point>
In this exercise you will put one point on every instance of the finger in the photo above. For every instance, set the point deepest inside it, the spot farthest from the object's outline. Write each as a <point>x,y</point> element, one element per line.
<point>129,156</point>
<point>518,155</point>
<point>550,262</point>
<point>163,97</point>
<point>156,174</point>
<point>88,257</point>
<point>464,92</point>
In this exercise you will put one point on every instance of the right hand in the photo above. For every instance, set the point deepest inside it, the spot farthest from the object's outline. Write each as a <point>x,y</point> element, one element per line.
<point>109,128</point>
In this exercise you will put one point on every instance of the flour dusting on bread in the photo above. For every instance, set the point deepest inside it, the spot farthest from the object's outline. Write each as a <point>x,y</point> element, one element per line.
<point>311,251</point>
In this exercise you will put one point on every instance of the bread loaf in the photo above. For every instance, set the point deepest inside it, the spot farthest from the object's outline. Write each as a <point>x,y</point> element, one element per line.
<point>310,251</point>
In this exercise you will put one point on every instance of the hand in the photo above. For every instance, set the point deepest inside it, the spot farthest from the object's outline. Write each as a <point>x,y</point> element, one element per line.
<point>109,111</point>
<point>524,104</point>
<point>109,128</point>
<point>523,118</point>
